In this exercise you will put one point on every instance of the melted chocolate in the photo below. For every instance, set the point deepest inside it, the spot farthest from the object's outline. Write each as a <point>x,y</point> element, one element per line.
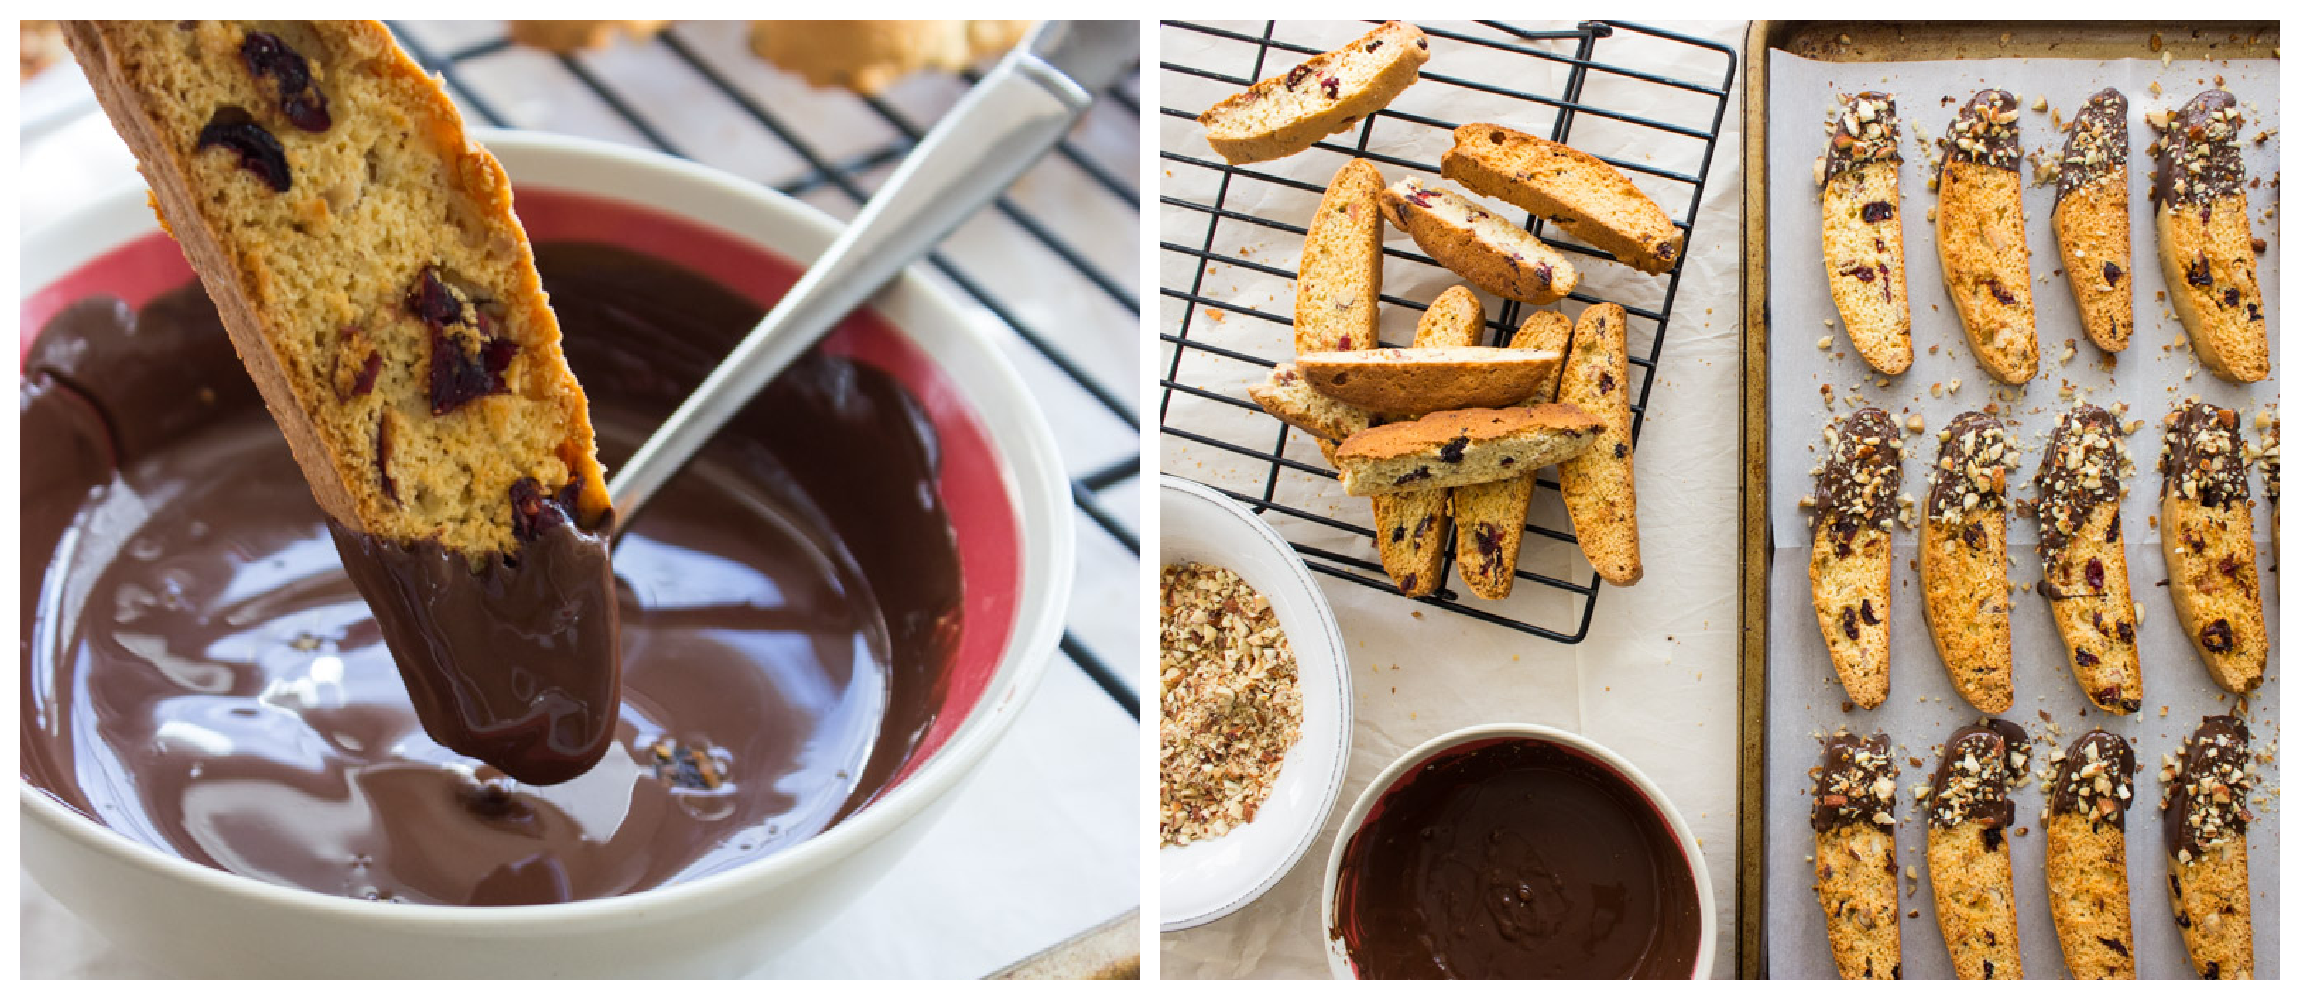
<point>1856,142</point>
<point>1964,448</point>
<point>2098,143</point>
<point>2203,457</point>
<point>1845,789</point>
<point>2001,749</point>
<point>2200,161</point>
<point>2194,819</point>
<point>2081,470</point>
<point>2075,791</point>
<point>200,675</point>
<point>1516,859</point>
<point>1860,483</point>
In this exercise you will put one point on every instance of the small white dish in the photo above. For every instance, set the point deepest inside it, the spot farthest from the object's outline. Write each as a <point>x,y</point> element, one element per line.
<point>1210,879</point>
<point>1337,953</point>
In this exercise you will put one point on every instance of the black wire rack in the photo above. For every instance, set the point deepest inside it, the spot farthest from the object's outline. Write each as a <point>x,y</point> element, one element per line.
<point>810,139</point>
<point>1594,96</point>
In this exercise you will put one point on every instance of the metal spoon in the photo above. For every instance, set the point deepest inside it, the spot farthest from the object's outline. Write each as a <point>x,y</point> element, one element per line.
<point>998,130</point>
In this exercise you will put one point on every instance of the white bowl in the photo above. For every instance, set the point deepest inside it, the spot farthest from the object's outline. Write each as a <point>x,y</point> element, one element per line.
<point>182,916</point>
<point>1337,953</point>
<point>1212,878</point>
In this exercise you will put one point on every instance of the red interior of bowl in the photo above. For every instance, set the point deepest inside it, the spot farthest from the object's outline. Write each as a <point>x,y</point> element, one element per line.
<point>972,482</point>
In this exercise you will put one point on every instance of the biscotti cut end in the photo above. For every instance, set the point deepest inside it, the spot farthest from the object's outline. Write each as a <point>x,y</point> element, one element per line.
<point>1289,397</point>
<point>422,389</point>
<point>1414,381</point>
<point>1599,485</point>
<point>1485,249</point>
<point>1584,195</point>
<point>1459,447</point>
<point>1329,92</point>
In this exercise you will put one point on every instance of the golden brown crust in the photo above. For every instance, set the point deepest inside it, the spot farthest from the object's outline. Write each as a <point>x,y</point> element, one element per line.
<point>1852,560</point>
<point>1961,566</point>
<point>2209,557</point>
<point>389,191</point>
<point>1971,872</point>
<point>2212,906</point>
<point>1582,194</point>
<point>1983,240</point>
<point>1492,515</point>
<point>1600,484</point>
<point>1485,249</point>
<point>1856,878</point>
<point>1394,380</point>
<point>1288,397</point>
<point>2091,901</point>
<point>1340,287</point>
<point>2213,280</point>
<point>2093,225</point>
<point>1462,446</point>
<point>1868,277</point>
<point>1329,92</point>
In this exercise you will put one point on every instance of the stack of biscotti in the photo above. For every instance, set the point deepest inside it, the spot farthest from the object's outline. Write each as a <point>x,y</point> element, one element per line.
<point>1861,231</point>
<point>2092,217</point>
<point>2209,557</point>
<point>2207,806</point>
<point>366,261</point>
<point>1855,870</point>
<point>2204,238</point>
<point>1856,501</point>
<point>1489,251</point>
<point>2080,537</point>
<point>1290,112</point>
<point>1983,237</point>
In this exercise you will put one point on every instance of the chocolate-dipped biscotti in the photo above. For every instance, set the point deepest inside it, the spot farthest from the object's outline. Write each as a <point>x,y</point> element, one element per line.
<point>1861,231</point>
<point>1961,565</point>
<point>2206,808</point>
<point>1329,92</point>
<point>1339,288</point>
<point>1983,237</point>
<point>1966,854</point>
<point>1856,501</point>
<point>2092,219</point>
<point>2206,526</point>
<point>1410,527</point>
<point>2204,239</point>
<point>1855,870</point>
<point>2086,803</point>
<point>1490,517</point>
<point>1587,197</point>
<point>2080,538</point>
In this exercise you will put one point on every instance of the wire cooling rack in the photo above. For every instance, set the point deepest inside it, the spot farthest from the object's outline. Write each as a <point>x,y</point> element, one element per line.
<point>1605,101</point>
<point>832,149</point>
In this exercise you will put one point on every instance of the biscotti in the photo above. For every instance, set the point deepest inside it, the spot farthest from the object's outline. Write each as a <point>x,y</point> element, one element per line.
<point>1457,447</point>
<point>868,56</point>
<point>1410,527</point>
<point>2206,525</point>
<point>1398,380</point>
<point>1855,871</point>
<point>1583,195</point>
<point>2092,219</point>
<point>1961,565</point>
<point>565,37</point>
<point>2080,539</point>
<point>40,44</point>
<point>1290,112</point>
<point>365,259</point>
<point>1600,484</point>
<point>1968,821</point>
<point>2207,805</point>
<point>2204,238</point>
<point>1487,250</point>
<point>2085,807</point>
<point>1289,397</point>
<point>1856,501</point>
<point>1983,237</point>
<point>2271,466</point>
<point>1861,231</point>
<point>1339,290</point>
<point>1491,516</point>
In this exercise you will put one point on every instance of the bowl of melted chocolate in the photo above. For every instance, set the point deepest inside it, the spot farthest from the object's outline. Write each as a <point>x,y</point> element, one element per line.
<point>1516,852</point>
<point>827,619</point>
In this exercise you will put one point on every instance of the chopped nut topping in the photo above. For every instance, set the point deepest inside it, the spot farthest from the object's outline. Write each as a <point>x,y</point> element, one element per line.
<point>1866,131</point>
<point>1230,705</point>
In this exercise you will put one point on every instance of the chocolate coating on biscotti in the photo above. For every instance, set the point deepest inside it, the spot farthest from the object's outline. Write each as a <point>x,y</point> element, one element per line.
<point>1986,131</point>
<point>1978,764</point>
<point>2082,468</point>
<point>1970,478</point>
<point>2204,805</point>
<point>1860,482</point>
<point>2203,457</point>
<point>2098,142</point>
<point>2199,161</point>
<point>2094,780</point>
<point>1868,131</point>
<point>1854,784</point>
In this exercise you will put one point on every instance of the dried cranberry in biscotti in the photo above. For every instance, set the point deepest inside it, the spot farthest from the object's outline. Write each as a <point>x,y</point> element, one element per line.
<point>234,129</point>
<point>300,100</point>
<point>458,375</point>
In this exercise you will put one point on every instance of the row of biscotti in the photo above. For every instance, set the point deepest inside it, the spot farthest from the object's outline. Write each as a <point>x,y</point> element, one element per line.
<point>1968,813</point>
<point>2204,237</point>
<point>2206,525</point>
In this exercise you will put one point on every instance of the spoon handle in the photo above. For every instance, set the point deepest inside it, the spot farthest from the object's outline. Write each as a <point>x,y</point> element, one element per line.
<point>999,129</point>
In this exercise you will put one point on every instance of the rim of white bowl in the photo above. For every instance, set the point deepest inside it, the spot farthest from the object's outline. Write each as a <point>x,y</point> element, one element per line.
<point>1330,631</point>
<point>1337,953</point>
<point>1045,564</point>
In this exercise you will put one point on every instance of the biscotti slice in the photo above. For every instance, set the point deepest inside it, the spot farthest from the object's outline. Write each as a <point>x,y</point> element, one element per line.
<point>1855,869</point>
<point>1856,499</point>
<point>1410,527</point>
<point>1861,231</point>
<point>1968,820</point>
<point>364,257</point>
<point>1491,516</point>
<point>868,56</point>
<point>1582,194</point>
<point>566,37</point>
<point>2204,238</point>
<point>2089,795</point>
<point>1983,237</point>
<point>1961,560</point>
<point>2080,540</point>
<point>2207,530</point>
<point>1600,484</point>
<point>2271,465</point>
<point>1413,380</point>
<point>1290,112</point>
<point>1485,249</point>
<point>1287,396</point>
<point>2092,219</point>
<point>1457,447</point>
<point>2207,805</point>
<point>1340,285</point>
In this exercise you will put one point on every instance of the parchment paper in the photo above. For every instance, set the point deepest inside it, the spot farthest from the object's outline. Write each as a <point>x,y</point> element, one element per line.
<point>1804,697</point>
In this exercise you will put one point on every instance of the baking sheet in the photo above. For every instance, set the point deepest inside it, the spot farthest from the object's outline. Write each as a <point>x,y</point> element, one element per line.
<point>1804,698</point>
